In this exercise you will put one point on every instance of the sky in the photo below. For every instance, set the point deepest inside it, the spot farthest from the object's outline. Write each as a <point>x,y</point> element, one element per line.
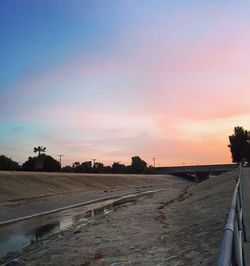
<point>112,79</point>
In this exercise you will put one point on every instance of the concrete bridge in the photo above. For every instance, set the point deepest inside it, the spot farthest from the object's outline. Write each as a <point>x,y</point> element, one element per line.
<point>197,173</point>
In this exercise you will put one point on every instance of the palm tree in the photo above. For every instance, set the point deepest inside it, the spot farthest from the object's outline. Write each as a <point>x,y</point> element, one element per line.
<point>39,149</point>
<point>75,164</point>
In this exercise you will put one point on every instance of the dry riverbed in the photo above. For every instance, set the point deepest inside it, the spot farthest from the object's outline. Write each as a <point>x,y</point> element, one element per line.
<point>182,227</point>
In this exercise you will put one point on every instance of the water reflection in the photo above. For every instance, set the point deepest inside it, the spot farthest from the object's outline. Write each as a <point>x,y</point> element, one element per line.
<point>15,241</point>
<point>46,229</point>
<point>15,237</point>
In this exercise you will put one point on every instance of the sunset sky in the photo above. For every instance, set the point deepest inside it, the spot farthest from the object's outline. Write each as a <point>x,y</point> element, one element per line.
<point>110,79</point>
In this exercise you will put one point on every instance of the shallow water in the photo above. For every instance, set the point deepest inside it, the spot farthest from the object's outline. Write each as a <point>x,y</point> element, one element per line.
<point>14,238</point>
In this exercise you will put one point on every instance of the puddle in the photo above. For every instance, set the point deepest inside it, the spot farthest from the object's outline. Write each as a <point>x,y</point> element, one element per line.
<point>46,229</point>
<point>15,238</point>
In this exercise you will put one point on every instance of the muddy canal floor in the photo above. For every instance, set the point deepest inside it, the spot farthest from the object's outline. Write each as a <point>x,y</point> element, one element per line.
<point>176,227</point>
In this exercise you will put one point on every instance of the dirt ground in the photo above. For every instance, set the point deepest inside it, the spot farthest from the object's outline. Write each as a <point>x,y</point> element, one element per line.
<point>181,227</point>
<point>21,187</point>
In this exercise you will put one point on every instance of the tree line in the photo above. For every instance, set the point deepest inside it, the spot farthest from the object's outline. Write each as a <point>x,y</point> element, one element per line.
<point>46,163</point>
<point>137,166</point>
<point>239,145</point>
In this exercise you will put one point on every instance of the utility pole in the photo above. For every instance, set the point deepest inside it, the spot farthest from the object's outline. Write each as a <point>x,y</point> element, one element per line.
<point>60,156</point>
<point>93,162</point>
<point>154,162</point>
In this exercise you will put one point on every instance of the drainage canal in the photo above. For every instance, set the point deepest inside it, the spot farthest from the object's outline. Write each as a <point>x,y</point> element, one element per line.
<point>23,236</point>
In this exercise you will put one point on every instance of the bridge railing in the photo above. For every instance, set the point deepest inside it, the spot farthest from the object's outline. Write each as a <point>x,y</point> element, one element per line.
<point>231,252</point>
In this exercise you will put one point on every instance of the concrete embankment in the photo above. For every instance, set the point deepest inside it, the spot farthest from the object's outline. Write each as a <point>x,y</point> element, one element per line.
<point>178,226</point>
<point>20,187</point>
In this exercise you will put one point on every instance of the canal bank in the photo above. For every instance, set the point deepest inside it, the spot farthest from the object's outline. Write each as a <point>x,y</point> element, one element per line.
<point>177,227</point>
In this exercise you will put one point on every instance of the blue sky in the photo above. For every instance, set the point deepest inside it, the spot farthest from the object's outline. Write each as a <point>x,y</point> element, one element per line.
<point>113,79</point>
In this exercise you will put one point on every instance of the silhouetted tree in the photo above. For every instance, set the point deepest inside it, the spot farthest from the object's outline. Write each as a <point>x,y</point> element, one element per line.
<point>85,167</point>
<point>39,164</point>
<point>150,170</point>
<point>98,167</point>
<point>75,164</point>
<point>118,168</point>
<point>8,164</point>
<point>39,149</point>
<point>49,164</point>
<point>240,145</point>
<point>67,169</point>
<point>138,166</point>
<point>107,170</point>
<point>29,165</point>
